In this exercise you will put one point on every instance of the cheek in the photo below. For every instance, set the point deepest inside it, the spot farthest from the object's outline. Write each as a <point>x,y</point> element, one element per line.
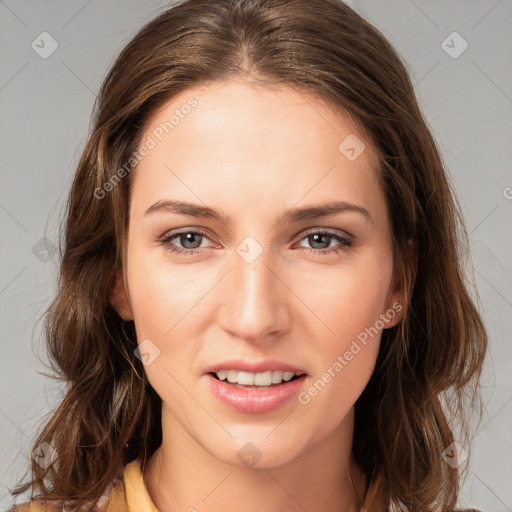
<point>348,327</point>
<point>344,360</point>
<point>161,294</point>
<point>347,300</point>
<point>161,309</point>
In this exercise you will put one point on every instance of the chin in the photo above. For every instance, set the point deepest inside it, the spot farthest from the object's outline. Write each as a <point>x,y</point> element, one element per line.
<point>258,450</point>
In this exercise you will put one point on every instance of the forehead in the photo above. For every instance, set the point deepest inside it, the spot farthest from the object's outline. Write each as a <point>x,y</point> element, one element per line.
<point>270,112</point>
<point>235,141</point>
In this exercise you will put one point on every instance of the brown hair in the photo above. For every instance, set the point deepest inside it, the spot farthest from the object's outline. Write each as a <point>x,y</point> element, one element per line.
<point>428,369</point>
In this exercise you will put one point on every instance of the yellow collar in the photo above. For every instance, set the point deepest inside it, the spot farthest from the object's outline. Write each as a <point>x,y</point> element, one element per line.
<point>130,493</point>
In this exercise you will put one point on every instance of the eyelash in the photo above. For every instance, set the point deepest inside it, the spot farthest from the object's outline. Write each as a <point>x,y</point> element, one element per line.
<point>345,242</point>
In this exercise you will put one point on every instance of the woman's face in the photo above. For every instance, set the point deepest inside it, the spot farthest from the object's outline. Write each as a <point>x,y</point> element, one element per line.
<point>262,283</point>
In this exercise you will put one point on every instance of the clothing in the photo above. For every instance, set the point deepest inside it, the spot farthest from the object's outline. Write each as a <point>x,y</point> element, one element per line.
<point>128,493</point>
<point>131,495</point>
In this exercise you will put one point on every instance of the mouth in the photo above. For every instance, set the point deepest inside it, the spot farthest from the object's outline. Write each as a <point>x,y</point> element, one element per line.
<point>254,386</point>
<point>251,380</point>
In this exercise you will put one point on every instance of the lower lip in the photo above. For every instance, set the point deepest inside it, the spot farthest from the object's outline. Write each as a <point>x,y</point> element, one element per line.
<point>252,400</point>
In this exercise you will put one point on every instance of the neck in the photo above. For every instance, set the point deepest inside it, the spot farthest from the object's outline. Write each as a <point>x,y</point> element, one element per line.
<point>182,475</point>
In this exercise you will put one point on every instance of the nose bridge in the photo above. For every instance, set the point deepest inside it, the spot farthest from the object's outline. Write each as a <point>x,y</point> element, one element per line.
<point>255,304</point>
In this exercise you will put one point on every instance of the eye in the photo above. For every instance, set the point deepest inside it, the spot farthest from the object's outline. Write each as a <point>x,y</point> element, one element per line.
<point>323,238</point>
<point>191,242</point>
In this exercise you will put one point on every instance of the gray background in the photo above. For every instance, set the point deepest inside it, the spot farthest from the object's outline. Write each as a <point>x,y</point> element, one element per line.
<point>45,111</point>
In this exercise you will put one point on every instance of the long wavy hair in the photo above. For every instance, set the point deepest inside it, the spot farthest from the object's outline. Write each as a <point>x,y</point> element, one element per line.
<point>427,377</point>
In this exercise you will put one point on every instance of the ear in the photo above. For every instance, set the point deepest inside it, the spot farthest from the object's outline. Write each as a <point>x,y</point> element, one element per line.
<point>398,293</point>
<point>119,298</point>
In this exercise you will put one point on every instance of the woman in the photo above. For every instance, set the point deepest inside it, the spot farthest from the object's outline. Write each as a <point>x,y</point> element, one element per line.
<point>216,357</point>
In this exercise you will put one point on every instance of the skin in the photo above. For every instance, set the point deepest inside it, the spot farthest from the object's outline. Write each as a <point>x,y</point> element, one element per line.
<point>255,152</point>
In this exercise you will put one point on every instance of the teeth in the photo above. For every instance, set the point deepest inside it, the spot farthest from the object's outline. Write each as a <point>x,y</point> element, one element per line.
<point>232,375</point>
<point>262,379</point>
<point>222,374</point>
<point>254,379</point>
<point>245,378</point>
<point>277,377</point>
<point>287,376</point>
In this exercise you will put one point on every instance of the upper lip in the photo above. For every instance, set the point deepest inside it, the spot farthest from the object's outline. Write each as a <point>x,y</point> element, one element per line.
<point>260,366</point>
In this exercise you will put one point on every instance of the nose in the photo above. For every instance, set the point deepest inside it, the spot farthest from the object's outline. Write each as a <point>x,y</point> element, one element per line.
<point>256,305</point>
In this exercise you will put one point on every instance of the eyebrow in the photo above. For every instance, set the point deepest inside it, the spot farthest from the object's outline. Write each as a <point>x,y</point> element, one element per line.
<point>327,209</point>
